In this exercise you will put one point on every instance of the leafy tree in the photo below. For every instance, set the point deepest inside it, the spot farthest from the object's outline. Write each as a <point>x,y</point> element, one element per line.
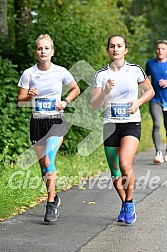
<point>155,15</point>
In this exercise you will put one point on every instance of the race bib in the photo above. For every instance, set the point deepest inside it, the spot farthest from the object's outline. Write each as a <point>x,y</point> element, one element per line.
<point>45,104</point>
<point>120,110</point>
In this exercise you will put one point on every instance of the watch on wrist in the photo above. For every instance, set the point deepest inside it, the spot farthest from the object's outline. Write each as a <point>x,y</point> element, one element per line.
<point>67,101</point>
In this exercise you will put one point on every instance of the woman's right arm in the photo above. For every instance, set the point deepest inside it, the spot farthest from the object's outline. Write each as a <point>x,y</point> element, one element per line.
<point>25,95</point>
<point>99,94</point>
<point>98,97</point>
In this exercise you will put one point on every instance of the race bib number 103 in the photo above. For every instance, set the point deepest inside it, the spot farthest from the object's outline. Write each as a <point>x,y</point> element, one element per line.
<point>120,110</point>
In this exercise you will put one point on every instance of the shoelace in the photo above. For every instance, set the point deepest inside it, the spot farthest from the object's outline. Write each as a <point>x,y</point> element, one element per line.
<point>50,208</point>
<point>129,209</point>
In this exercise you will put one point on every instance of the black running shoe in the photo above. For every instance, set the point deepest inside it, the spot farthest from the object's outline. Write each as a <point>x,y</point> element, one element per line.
<point>51,212</point>
<point>57,201</point>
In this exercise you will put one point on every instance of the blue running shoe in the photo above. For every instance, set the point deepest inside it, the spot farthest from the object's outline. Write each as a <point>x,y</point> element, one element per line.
<point>130,215</point>
<point>121,216</point>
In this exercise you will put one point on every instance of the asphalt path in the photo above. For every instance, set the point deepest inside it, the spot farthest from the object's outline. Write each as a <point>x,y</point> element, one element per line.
<point>87,220</point>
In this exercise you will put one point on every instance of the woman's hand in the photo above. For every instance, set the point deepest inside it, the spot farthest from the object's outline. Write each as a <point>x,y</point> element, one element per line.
<point>99,94</point>
<point>33,91</point>
<point>134,107</point>
<point>109,85</point>
<point>61,105</point>
<point>25,95</point>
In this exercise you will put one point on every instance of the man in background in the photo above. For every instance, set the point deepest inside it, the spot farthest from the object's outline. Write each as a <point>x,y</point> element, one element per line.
<point>156,69</point>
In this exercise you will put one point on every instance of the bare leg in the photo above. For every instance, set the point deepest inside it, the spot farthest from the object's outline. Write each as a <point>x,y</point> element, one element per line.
<point>128,148</point>
<point>120,188</point>
<point>50,177</point>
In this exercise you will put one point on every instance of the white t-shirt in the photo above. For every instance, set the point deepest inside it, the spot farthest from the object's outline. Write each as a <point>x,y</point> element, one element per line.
<point>49,84</point>
<point>124,91</point>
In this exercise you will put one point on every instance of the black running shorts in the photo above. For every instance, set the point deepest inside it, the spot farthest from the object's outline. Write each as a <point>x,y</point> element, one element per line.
<point>42,128</point>
<point>114,132</point>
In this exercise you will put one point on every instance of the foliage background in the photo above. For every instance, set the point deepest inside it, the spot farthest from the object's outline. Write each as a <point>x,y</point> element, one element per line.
<point>80,30</point>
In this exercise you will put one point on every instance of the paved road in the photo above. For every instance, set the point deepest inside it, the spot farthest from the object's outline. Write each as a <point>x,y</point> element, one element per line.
<point>87,220</point>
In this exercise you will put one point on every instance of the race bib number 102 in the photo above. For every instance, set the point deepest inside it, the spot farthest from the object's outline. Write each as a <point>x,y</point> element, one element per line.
<point>45,104</point>
<point>120,110</point>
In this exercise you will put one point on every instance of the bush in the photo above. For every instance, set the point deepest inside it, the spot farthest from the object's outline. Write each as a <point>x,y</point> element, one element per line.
<point>14,134</point>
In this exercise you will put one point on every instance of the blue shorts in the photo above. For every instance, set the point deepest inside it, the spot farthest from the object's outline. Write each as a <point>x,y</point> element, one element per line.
<point>114,132</point>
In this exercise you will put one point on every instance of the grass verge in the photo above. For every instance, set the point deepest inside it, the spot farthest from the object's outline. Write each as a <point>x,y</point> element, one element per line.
<point>21,189</point>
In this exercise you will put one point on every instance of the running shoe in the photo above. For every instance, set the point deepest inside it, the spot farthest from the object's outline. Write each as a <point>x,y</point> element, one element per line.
<point>165,157</point>
<point>130,215</point>
<point>51,212</point>
<point>121,216</point>
<point>57,201</point>
<point>158,158</point>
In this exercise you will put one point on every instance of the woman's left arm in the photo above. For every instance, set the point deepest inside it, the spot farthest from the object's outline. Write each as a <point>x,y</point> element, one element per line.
<point>74,92</point>
<point>147,93</point>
